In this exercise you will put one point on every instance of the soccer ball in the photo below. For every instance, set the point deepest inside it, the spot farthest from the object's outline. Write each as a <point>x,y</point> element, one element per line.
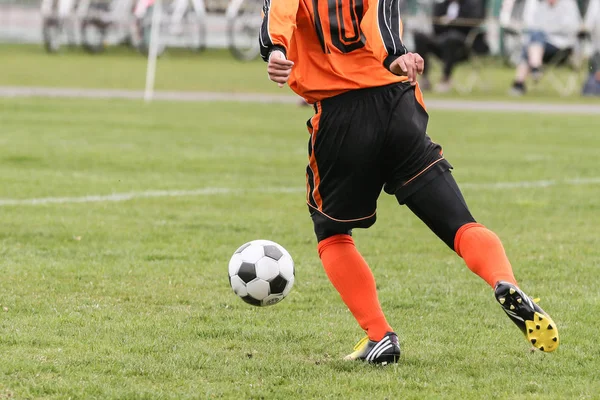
<point>261,272</point>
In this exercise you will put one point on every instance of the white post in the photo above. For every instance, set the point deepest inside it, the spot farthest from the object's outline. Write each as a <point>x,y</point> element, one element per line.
<point>153,51</point>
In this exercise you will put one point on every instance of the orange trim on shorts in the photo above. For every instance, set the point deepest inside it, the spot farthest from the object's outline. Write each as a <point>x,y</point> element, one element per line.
<point>312,161</point>
<point>419,96</point>
<point>422,171</point>
<point>343,220</point>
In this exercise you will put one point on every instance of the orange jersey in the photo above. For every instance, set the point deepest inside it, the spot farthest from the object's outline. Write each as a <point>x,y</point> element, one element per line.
<point>336,45</point>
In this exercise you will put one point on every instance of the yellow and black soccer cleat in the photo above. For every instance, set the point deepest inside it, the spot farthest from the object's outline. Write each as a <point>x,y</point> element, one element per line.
<point>386,351</point>
<point>535,323</point>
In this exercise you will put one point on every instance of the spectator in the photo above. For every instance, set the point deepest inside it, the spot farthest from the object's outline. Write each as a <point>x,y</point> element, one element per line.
<point>453,21</point>
<point>592,25</point>
<point>64,8</point>
<point>551,27</point>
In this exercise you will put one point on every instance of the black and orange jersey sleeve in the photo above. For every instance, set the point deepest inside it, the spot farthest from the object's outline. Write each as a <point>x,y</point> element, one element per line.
<point>278,25</point>
<point>382,27</point>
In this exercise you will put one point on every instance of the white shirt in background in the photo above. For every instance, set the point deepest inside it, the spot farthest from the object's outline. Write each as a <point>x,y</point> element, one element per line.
<point>560,22</point>
<point>592,22</point>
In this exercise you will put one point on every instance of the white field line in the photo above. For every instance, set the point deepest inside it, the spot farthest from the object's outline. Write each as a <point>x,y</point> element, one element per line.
<point>211,191</point>
<point>434,104</point>
<point>531,184</point>
<point>117,197</point>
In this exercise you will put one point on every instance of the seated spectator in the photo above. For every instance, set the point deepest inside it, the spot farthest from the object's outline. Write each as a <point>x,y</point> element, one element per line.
<point>591,86</point>
<point>551,27</point>
<point>592,25</point>
<point>453,21</point>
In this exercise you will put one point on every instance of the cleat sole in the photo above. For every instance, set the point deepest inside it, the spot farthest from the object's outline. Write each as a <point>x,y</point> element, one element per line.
<point>539,329</point>
<point>543,339</point>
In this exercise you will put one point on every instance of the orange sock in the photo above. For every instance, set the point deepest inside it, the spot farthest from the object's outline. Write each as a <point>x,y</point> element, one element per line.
<point>483,253</point>
<point>354,281</point>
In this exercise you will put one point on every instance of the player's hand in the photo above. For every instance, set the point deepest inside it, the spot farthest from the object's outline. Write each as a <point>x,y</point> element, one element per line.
<point>409,65</point>
<point>279,68</point>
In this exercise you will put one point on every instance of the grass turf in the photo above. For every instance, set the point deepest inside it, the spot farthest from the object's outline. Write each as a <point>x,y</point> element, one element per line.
<point>131,300</point>
<point>216,70</point>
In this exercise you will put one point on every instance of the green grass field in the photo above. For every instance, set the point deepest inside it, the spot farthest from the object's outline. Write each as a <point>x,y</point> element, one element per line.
<point>130,299</point>
<point>215,70</point>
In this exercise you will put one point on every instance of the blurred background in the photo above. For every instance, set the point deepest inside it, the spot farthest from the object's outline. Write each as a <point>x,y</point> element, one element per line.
<point>471,46</point>
<point>119,216</point>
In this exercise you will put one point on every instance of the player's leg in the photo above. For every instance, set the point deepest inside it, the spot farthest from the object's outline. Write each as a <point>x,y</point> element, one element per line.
<point>422,180</point>
<point>351,276</point>
<point>343,188</point>
<point>353,279</point>
<point>442,207</point>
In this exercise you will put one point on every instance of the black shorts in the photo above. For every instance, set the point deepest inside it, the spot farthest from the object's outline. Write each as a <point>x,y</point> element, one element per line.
<point>364,141</point>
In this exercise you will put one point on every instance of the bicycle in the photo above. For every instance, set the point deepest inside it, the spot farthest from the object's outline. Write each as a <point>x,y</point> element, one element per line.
<point>107,23</point>
<point>61,22</point>
<point>243,27</point>
<point>184,25</point>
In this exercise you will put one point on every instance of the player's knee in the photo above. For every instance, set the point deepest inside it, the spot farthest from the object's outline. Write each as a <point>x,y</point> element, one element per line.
<point>326,227</point>
<point>439,203</point>
<point>323,233</point>
<point>333,240</point>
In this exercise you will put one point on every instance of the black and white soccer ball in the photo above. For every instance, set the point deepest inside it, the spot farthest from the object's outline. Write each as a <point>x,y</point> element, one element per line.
<point>261,272</point>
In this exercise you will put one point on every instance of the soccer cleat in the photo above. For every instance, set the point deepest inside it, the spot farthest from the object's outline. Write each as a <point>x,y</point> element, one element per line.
<point>386,351</point>
<point>535,323</point>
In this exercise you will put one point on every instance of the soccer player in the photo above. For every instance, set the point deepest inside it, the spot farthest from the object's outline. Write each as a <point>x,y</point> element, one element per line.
<point>368,133</point>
